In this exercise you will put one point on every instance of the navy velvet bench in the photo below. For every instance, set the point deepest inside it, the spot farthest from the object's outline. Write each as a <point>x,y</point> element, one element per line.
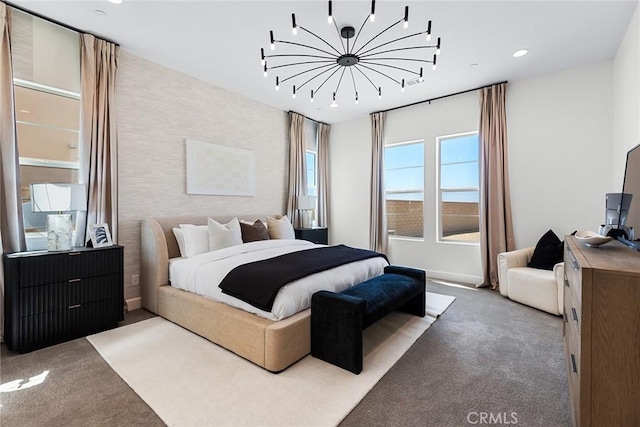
<point>338,319</point>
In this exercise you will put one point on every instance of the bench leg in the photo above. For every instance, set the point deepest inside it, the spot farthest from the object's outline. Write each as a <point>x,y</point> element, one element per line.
<point>336,329</point>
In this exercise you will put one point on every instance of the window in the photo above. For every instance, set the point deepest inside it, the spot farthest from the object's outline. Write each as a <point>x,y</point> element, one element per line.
<point>459,188</point>
<point>404,187</point>
<point>46,65</point>
<point>312,176</point>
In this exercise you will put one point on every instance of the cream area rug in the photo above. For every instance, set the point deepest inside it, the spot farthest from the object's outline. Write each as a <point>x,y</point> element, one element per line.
<point>189,381</point>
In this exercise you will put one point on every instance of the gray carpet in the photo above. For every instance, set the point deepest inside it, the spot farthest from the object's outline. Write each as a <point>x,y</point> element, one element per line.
<point>486,354</point>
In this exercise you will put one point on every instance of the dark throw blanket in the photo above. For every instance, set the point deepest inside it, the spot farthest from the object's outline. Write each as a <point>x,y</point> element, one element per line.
<point>258,283</point>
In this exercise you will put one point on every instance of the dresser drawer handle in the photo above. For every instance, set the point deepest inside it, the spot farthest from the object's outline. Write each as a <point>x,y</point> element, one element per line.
<point>574,265</point>
<point>74,253</point>
<point>574,367</point>
<point>79,305</point>
<point>566,282</point>
<point>574,313</point>
<point>74,280</point>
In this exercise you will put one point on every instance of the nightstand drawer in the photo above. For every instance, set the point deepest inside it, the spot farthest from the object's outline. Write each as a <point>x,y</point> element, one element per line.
<point>56,296</point>
<point>314,235</point>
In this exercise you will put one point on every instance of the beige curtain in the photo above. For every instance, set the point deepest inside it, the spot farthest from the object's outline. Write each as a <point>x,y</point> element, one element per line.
<point>99,156</point>
<point>297,166</point>
<point>378,234</point>
<point>11,226</point>
<point>323,174</point>
<point>496,228</point>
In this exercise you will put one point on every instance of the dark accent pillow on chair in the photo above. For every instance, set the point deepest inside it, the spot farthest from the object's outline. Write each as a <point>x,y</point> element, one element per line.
<point>254,232</point>
<point>548,252</point>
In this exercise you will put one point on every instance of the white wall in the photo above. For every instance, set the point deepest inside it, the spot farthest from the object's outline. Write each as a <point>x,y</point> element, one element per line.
<point>349,182</point>
<point>626,99</point>
<point>560,159</point>
<point>560,155</point>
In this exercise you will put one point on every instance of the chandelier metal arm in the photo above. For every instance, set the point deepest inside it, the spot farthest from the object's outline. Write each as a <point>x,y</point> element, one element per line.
<point>353,46</point>
<point>320,38</point>
<point>308,71</point>
<point>346,50</point>
<point>394,41</point>
<point>353,79</point>
<point>282,55</point>
<point>368,61</point>
<point>366,77</point>
<point>378,35</point>
<point>300,63</point>
<point>377,71</point>
<point>325,80</point>
<point>390,66</point>
<point>333,55</point>
<point>340,81</point>
<point>365,57</point>
<point>316,76</point>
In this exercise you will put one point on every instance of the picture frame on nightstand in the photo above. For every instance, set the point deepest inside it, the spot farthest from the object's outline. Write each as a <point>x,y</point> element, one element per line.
<point>100,235</point>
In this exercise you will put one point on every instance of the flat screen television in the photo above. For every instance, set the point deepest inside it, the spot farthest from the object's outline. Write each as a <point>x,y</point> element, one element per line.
<point>631,187</point>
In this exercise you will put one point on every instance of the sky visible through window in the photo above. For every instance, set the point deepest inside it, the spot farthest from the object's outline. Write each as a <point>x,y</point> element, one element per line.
<point>459,168</point>
<point>404,171</point>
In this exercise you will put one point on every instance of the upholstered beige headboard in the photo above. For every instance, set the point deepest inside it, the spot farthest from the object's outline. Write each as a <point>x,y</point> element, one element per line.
<point>158,244</point>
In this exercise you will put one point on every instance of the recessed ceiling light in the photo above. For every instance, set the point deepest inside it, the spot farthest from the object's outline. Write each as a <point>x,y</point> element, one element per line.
<point>473,65</point>
<point>115,1</point>
<point>100,12</point>
<point>519,53</point>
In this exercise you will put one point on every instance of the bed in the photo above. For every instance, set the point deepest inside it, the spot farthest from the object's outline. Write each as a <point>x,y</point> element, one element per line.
<point>271,344</point>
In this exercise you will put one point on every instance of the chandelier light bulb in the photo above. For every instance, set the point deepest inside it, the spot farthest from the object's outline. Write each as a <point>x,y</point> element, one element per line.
<point>406,17</point>
<point>429,31</point>
<point>379,93</point>
<point>294,28</point>
<point>277,83</point>
<point>435,58</point>
<point>402,90</point>
<point>263,60</point>
<point>265,69</point>
<point>330,16</point>
<point>421,79</point>
<point>311,96</point>
<point>438,47</point>
<point>294,93</point>
<point>273,42</point>
<point>356,98</point>
<point>372,16</point>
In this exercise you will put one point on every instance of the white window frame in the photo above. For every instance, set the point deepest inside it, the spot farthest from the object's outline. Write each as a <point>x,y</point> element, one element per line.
<point>315,170</point>
<point>440,190</point>
<point>398,144</point>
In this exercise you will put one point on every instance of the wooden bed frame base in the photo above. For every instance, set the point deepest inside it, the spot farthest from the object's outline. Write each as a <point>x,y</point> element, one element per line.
<point>273,345</point>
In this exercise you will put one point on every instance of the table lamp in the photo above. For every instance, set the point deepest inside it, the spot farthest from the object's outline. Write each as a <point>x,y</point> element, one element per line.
<point>306,204</point>
<point>56,197</point>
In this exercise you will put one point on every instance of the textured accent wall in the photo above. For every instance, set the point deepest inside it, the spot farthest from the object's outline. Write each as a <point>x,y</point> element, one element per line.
<point>157,109</point>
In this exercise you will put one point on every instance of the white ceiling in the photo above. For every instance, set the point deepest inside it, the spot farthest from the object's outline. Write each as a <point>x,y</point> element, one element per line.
<point>219,41</point>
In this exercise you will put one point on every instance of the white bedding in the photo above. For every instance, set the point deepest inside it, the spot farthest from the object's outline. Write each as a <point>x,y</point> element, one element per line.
<point>201,274</point>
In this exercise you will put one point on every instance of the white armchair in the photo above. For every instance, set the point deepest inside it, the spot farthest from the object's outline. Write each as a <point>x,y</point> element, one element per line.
<point>541,289</point>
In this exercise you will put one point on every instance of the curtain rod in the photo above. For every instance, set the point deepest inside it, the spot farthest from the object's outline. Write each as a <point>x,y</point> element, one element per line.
<point>439,97</point>
<point>309,118</point>
<point>53,21</point>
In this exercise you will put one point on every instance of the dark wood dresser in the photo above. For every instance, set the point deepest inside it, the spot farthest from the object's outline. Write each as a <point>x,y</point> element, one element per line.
<point>51,297</point>
<point>602,333</point>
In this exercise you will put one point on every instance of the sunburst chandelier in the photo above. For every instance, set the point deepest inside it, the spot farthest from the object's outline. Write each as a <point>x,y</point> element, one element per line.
<point>374,61</point>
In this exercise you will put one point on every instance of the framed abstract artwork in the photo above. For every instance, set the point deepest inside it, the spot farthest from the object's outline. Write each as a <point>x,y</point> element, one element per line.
<point>219,170</point>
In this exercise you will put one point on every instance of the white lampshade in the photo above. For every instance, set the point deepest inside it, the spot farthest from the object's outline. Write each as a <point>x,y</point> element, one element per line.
<point>55,197</point>
<point>306,202</point>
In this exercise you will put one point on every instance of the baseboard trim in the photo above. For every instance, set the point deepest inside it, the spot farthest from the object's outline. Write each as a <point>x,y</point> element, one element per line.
<point>454,277</point>
<point>134,303</point>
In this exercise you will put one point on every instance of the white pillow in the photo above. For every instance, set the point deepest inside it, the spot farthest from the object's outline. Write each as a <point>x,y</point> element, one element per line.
<point>196,239</point>
<point>180,239</point>
<point>280,228</point>
<point>224,235</point>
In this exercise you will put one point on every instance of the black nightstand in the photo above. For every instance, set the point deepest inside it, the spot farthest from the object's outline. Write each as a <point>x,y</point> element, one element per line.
<point>318,235</point>
<point>51,297</point>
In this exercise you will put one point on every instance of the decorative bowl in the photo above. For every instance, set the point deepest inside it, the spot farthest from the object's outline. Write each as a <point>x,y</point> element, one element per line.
<point>592,239</point>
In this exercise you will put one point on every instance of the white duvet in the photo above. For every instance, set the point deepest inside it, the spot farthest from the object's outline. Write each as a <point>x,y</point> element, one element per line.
<point>201,274</point>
